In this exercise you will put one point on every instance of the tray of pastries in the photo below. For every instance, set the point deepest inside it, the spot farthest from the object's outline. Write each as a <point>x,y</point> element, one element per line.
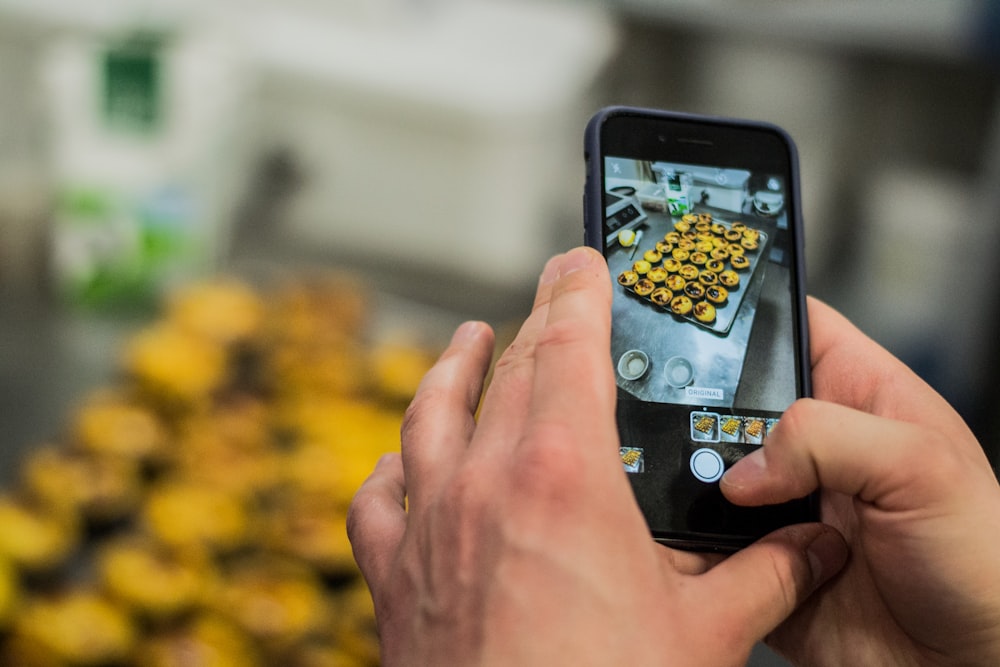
<point>699,270</point>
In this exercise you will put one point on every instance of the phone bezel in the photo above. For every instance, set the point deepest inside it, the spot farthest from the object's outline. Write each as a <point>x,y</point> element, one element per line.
<point>653,134</point>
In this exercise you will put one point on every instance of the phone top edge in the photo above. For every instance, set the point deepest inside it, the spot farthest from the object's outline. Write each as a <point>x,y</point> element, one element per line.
<point>612,111</point>
<point>644,133</point>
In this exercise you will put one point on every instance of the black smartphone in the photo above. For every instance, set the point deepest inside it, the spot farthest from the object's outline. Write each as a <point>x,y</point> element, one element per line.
<point>699,220</point>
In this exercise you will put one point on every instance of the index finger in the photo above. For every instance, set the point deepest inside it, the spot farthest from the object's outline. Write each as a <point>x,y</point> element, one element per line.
<point>574,388</point>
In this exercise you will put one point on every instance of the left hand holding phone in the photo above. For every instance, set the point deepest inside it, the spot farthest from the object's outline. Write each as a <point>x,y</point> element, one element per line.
<point>515,539</point>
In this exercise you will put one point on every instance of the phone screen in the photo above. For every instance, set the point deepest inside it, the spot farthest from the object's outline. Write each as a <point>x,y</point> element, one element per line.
<point>698,220</point>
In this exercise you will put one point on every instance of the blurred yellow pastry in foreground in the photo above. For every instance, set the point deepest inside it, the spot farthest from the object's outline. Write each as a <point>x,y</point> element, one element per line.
<point>188,515</point>
<point>35,538</point>
<point>224,310</point>
<point>78,627</point>
<point>151,579</point>
<point>399,367</point>
<point>174,364</point>
<point>205,640</point>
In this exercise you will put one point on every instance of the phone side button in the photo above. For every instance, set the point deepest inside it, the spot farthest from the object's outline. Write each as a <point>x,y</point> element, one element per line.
<point>707,465</point>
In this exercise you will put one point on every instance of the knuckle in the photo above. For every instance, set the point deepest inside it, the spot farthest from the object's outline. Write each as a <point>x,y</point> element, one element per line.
<point>539,469</point>
<point>516,355</point>
<point>463,497</point>
<point>561,333</point>
<point>420,412</point>
<point>463,515</point>
<point>365,497</point>
<point>797,418</point>
<point>355,515</point>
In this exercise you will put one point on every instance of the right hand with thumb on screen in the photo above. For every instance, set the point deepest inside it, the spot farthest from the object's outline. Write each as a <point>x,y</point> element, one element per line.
<point>907,484</point>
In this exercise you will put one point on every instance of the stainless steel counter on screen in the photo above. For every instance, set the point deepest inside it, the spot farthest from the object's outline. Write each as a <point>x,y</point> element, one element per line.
<point>716,357</point>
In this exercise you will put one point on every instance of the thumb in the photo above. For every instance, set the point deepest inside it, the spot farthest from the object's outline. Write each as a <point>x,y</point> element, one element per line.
<point>837,448</point>
<point>765,582</point>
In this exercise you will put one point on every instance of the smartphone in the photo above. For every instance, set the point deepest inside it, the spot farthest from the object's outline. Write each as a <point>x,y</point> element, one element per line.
<point>699,220</point>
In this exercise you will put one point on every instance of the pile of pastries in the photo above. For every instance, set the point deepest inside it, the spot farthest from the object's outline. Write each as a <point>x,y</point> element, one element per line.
<point>693,269</point>
<point>191,513</point>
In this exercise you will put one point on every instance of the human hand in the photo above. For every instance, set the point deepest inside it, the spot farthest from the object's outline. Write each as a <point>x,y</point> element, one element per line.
<point>516,539</point>
<point>906,483</point>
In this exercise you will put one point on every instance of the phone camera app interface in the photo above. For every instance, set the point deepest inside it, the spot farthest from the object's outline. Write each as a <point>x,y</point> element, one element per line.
<point>704,324</point>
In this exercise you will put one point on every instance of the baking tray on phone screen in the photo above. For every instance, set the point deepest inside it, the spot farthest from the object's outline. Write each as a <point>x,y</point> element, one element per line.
<point>726,313</point>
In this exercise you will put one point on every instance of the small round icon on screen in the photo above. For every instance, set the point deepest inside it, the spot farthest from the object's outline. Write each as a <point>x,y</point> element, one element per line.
<point>707,465</point>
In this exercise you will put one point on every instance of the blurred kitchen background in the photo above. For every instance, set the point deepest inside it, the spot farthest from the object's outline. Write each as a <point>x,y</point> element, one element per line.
<point>433,148</point>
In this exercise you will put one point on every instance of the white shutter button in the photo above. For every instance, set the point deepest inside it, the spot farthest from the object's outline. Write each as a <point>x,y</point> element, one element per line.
<point>707,465</point>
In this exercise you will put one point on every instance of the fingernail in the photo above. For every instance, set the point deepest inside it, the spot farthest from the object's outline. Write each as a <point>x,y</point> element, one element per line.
<point>574,260</point>
<point>827,555</point>
<point>466,331</point>
<point>747,471</point>
<point>551,270</point>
